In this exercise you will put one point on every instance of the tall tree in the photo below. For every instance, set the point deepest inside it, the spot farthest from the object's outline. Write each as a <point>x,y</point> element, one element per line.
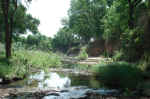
<point>5,4</point>
<point>132,6</point>
<point>21,16</point>
<point>85,18</point>
<point>9,8</point>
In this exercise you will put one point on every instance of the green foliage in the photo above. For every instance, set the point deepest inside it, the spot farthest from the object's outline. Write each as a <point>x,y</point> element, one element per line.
<point>115,20</point>
<point>23,23</point>
<point>23,61</point>
<point>64,39</point>
<point>18,46</point>
<point>2,47</point>
<point>5,69</point>
<point>129,29</point>
<point>39,42</point>
<point>118,55</point>
<point>95,68</point>
<point>39,59</point>
<point>120,75</point>
<point>11,68</point>
<point>132,44</point>
<point>85,18</point>
<point>15,21</point>
<point>144,63</point>
<point>83,54</point>
<point>33,42</point>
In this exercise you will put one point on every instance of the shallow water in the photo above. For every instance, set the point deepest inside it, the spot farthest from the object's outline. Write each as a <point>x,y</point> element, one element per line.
<point>60,85</point>
<point>56,81</point>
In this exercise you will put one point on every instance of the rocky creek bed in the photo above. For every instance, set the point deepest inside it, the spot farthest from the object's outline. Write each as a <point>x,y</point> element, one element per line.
<point>60,84</point>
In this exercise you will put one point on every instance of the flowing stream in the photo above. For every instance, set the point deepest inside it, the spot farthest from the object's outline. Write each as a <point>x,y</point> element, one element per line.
<point>57,81</point>
<point>61,85</point>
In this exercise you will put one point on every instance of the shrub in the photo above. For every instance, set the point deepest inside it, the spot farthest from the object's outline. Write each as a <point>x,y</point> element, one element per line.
<point>22,61</point>
<point>83,54</point>
<point>11,68</point>
<point>5,70</point>
<point>120,75</point>
<point>144,63</point>
<point>39,59</point>
<point>118,55</point>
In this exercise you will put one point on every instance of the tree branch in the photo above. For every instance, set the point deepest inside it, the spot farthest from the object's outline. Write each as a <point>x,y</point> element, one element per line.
<point>15,7</point>
<point>137,2</point>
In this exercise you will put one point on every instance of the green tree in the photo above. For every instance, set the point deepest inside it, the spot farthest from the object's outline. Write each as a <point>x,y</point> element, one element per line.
<point>9,10</point>
<point>64,39</point>
<point>115,21</point>
<point>38,42</point>
<point>131,34</point>
<point>85,18</point>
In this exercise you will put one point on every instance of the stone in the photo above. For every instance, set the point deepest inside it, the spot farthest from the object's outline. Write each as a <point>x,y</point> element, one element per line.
<point>103,92</point>
<point>62,91</point>
<point>53,94</point>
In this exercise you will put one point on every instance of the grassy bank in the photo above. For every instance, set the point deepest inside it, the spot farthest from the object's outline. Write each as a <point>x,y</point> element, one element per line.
<point>22,61</point>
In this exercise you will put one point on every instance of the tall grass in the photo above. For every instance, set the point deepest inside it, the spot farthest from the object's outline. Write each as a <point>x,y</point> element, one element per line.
<point>22,61</point>
<point>38,59</point>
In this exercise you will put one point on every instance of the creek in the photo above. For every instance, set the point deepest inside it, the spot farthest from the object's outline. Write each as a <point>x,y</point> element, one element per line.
<point>58,85</point>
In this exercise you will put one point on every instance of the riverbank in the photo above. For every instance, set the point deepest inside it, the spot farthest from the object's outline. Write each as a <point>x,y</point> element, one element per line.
<point>22,62</point>
<point>56,83</point>
<point>65,71</point>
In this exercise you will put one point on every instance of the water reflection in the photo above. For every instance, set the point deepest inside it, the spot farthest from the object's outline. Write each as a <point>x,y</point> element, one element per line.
<point>57,80</point>
<point>58,83</point>
<point>50,80</point>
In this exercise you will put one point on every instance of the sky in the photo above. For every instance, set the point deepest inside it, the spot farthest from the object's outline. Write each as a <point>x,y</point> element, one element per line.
<point>50,13</point>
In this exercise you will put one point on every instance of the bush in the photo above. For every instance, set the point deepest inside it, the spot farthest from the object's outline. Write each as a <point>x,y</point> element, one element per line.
<point>11,68</point>
<point>22,61</point>
<point>144,63</point>
<point>5,69</point>
<point>118,55</point>
<point>83,54</point>
<point>39,59</point>
<point>120,75</point>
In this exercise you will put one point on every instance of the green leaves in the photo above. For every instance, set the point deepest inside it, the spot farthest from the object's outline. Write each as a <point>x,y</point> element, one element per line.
<point>22,23</point>
<point>64,39</point>
<point>85,18</point>
<point>115,21</point>
<point>83,54</point>
<point>120,75</point>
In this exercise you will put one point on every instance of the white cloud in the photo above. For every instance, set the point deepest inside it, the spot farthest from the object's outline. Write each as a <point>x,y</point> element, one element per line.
<point>50,13</point>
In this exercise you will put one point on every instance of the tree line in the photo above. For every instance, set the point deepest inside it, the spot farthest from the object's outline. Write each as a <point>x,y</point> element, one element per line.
<point>119,22</point>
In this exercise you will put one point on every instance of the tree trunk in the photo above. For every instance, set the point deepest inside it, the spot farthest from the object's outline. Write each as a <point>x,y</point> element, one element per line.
<point>7,38</point>
<point>5,8</point>
<point>131,18</point>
